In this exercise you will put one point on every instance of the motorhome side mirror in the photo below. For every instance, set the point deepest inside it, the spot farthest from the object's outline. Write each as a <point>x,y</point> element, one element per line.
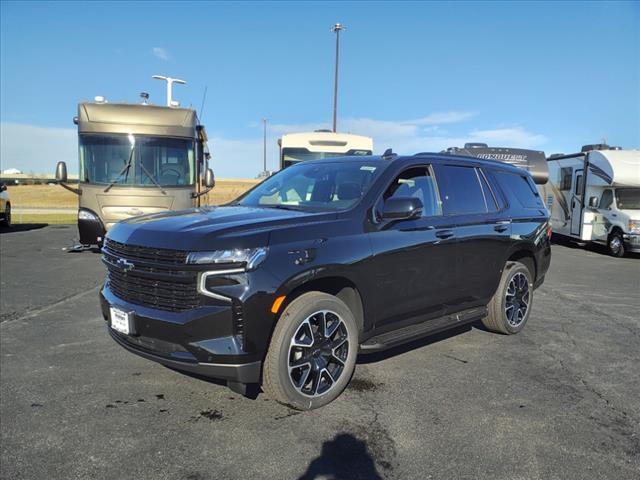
<point>402,208</point>
<point>209,179</point>
<point>3,187</point>
<point>593,202</point>
<point>61,172</point>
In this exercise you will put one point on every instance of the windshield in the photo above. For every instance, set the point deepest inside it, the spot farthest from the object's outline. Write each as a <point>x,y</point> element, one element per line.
<point>628,198</point>
<point>136,160</point>
<point>314,186</point>
<point>290,156</point>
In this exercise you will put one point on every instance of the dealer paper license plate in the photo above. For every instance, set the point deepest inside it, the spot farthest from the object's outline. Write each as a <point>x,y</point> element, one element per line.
<point>120,320</point>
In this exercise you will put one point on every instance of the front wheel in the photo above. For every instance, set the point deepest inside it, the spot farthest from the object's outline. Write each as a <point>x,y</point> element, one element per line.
<point>616,244</point>
<point>313,352</point>
<point>510,307</point>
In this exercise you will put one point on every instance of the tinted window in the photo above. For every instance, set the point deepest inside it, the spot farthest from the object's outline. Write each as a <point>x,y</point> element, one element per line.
<point>578,185</point>
<point>519,188</point>
<point>607,199</point>
<point>419,183</point>
<point>492,206</point>
<point>565,178</point>
<point>460,190</point>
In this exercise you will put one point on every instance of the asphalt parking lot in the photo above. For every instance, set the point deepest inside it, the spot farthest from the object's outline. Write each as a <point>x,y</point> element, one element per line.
<point>560,400</point>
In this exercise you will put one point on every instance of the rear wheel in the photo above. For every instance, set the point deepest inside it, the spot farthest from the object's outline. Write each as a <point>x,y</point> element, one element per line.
<point>510,307</point>
<point>6,222</point>
<point>313,352</point>
<point>616,244</point>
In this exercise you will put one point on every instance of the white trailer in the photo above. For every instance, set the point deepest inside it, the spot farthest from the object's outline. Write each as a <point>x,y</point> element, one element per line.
<point>594,196</point>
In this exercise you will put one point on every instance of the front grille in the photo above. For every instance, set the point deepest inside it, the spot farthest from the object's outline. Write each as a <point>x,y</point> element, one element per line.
<point>159,256</point>
<point>156,278</point>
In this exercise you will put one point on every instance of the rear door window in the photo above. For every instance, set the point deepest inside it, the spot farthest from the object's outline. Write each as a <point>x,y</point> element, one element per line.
<point>519,189</point>
<point>461,190</point>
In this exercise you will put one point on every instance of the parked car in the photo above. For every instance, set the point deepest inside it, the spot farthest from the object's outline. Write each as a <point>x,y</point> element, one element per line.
<point>5,206</point>
<point>323,260</point>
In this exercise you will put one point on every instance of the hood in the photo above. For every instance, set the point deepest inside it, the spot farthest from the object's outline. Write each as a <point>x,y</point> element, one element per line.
<point>210,228</point>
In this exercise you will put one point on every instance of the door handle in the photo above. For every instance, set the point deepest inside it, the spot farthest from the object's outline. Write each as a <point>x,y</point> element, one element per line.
<point>444,233</point>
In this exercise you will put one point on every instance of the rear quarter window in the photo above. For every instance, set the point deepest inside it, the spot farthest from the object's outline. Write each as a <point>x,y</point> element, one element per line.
<point>519,189</point>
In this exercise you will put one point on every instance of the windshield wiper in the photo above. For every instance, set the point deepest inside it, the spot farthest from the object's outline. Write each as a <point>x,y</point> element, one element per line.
<point>152,178</point>
<point>125,169</point>
<point>295,208</point>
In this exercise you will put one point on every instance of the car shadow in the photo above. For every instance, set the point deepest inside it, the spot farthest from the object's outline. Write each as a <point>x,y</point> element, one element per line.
<point>366,358</point>
<point>345,457</point>
<point>22,227</point>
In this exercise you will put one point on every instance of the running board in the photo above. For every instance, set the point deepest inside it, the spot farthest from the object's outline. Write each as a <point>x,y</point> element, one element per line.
<point>419,330</point>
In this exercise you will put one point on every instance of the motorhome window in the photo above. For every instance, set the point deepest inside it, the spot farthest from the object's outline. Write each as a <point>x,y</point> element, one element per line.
<point>518,187</point>
<point>417,182</point>
<point>461,191</point>
<point>578,190</point>
<point>566,174</point>
<point>291,156</point>
<point>628,198</point>
<point>314,186</point>
<point>136,160</point>
<point>607,199</point>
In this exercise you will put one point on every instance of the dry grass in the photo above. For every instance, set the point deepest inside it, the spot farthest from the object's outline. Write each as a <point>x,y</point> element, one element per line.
<point>48,218</point>
<point>54,196</point>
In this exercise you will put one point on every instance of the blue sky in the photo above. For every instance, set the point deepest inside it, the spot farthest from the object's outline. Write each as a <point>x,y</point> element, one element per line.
<point>415,76</point>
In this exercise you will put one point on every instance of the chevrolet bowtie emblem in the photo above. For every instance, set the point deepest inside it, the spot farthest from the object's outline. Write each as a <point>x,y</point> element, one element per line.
<point>125,264</point>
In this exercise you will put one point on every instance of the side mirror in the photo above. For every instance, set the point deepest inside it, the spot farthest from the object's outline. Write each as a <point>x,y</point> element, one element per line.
<point>3,187</point>
<point>593,202</point>
<point>402,208</point>
<point>61,172</point>
<point>209,179</point>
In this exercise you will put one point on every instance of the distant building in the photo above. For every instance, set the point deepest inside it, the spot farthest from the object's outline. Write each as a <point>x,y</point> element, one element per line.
<point>12,171</point>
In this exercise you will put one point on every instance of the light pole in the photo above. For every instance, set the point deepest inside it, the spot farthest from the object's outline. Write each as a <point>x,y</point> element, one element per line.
<point>264,146</point>
<point>336,28</point>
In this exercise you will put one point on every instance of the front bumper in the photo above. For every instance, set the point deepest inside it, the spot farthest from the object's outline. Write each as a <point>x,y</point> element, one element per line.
<point>632,242</point>
<point>200,341</point>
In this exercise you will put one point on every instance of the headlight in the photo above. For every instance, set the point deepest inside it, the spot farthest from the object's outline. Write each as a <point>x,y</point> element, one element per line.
<point>249,257</point>
<point>634,226</point>
<point>86,215</point>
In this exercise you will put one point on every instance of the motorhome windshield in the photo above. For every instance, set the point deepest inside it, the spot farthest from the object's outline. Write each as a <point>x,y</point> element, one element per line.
<point>136,160</point>
<point>291,156</point>
<point>314,186</point>
<point>628,198</point>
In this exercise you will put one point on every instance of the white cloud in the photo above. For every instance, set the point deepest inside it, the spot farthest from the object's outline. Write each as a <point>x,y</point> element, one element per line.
<point>37,149</point>
<point>424,134</point>
<point>161,53</point>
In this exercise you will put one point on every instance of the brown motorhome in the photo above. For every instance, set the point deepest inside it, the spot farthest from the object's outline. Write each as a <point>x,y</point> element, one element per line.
<point>135,159</point>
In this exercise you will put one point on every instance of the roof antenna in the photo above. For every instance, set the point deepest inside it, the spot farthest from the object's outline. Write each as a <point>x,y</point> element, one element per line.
<point>388,154</point>
<point>204,96</point>
<point>170,81</point>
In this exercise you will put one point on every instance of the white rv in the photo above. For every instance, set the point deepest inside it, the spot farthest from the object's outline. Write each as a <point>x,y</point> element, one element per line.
<point>594,196</point>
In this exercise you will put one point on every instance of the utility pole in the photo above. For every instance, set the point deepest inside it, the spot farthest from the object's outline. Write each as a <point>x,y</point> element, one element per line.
<point>264,146</point>
<point>336,28</point>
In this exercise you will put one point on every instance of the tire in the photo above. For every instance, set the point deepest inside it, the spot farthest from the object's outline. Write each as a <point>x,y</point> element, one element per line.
<point>615,244</point>
<point>307,385</point>
<point>510,307</point>
<point>6,221</point>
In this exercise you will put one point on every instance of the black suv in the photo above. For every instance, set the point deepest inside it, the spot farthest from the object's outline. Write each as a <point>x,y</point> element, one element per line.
<point>326,259</point>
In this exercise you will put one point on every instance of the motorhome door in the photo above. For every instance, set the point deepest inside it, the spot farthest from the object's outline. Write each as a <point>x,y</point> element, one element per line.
<point>576,201</point>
